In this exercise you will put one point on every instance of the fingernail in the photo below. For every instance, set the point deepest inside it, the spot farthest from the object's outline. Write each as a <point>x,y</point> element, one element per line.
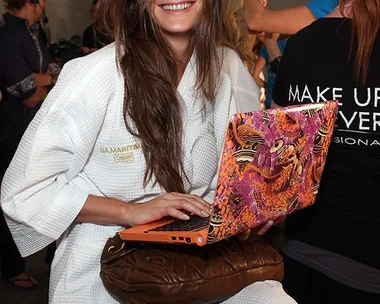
<point>204,214</point>
<point>186,217</point>
<point>269,224</point>
<point>265,228</point>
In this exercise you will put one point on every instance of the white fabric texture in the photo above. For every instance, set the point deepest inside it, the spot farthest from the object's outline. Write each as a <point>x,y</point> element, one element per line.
<point>78,145</point>
<point>267,292</point>
<point>246,91</point>
<point>245,99</point>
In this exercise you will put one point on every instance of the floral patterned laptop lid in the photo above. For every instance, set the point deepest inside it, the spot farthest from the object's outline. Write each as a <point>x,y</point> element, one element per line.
<point>271,166</point>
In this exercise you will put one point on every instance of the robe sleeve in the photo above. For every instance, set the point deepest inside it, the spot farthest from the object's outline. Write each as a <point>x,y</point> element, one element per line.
<point>246,91</point>
<point>39,201</point>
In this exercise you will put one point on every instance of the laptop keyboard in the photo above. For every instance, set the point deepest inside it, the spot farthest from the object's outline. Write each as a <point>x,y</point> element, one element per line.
<point>194,223</point>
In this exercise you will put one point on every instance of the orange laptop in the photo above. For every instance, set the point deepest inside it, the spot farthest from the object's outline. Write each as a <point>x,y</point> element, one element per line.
<point>271,166</point>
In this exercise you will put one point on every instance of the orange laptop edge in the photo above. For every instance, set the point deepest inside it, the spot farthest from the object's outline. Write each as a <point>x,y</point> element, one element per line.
<point>271,166</point>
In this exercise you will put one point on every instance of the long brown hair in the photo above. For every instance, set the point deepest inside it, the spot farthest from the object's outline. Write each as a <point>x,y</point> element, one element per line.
<point>235,34</point>
<point>365,15</point>
<point>149,67</point>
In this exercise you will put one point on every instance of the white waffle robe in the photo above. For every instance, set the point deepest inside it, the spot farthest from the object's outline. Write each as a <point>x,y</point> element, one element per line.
<point>78,145</point>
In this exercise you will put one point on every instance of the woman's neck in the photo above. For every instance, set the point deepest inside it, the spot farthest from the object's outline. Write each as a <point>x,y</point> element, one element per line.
<point>182,48</point>
<point>27,12</point>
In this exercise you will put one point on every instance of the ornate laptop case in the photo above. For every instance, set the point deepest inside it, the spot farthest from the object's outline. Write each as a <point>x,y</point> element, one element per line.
<point>271,166</point>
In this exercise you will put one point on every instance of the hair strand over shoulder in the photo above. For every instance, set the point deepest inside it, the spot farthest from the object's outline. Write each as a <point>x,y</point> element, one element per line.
<point>152,108</point>
<point>365,16</point>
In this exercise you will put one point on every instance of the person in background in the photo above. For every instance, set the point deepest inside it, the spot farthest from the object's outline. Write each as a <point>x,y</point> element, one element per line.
<point>92,39</point>
<point>235,36</point>
<point>26,73</point>
<point>270,53</point>
<point>332,252</point>
<point>285,21</point>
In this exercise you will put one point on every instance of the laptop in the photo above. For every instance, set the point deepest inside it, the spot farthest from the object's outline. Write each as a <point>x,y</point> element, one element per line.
<point>271,166</point>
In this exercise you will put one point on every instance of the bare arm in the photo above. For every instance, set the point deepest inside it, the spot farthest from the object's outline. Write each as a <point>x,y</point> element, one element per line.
<point>272,48</point>
<point>36,98</point>
<point>104,211</point>
<point>43,80</point>
<point>107,211</point>
<point>259,66</point>
<point>285,21</point>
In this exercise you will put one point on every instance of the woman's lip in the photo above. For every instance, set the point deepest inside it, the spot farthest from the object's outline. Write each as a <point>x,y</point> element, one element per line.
<point>175,2</point>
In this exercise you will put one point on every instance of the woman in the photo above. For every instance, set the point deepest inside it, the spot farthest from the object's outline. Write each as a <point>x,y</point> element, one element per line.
<point>333,250</point>
<point>26,72</point>
<point>120,142</point>
<point>236,37</point>
<point>91,40</point>
<point>235,33</point>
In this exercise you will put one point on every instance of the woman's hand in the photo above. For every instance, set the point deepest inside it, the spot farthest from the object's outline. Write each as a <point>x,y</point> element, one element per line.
<point>43,80</point>
<point>175,205</point>
<point>260,230</point>
<point>36,98</point>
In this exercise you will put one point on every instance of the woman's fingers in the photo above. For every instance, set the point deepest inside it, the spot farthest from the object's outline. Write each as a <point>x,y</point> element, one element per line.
<point>243,236</point>
<point>261,230</point>
<point>192,207</point>
<point>173,212</point>
<point>192,197</point>
<point>258,231</point>
<point>280,219</point>
<point>191,203</point>
<point>265,228</point>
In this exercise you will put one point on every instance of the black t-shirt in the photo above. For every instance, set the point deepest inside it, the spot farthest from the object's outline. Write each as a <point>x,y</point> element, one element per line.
<point>316,66</point>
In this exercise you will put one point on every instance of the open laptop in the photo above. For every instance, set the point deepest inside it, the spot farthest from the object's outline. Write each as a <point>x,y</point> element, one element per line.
<point>271,166</point>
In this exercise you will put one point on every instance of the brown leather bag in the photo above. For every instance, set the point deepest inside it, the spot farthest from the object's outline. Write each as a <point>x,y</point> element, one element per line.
<point>138,273</point>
